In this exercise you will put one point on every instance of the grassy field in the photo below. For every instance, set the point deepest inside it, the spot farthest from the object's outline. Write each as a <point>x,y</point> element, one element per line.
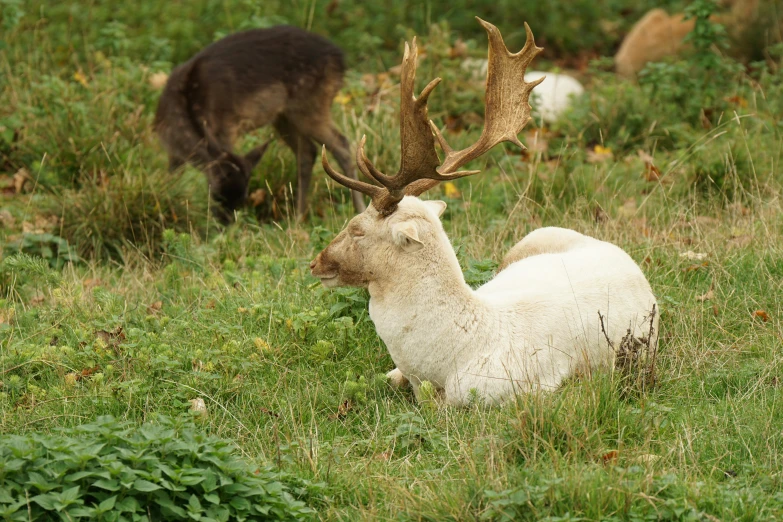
<point>120,296</point>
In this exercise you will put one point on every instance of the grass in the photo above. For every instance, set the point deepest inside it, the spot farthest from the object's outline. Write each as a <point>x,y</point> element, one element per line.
<point>177,310</point>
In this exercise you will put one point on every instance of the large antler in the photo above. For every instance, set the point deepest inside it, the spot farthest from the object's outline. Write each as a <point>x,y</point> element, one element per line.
<point>507,112</point>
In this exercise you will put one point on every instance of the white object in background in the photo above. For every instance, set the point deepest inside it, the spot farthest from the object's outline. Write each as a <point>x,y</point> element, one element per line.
<point>554,95</point>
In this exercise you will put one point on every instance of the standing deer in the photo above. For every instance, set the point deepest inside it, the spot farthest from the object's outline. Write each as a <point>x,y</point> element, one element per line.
<point>530,327</point>
<point>282,76</point>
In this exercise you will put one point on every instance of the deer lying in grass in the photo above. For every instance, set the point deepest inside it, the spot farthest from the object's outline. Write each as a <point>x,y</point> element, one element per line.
<point>282,76</point>
<point>657,35</point>
<point>530,327</point>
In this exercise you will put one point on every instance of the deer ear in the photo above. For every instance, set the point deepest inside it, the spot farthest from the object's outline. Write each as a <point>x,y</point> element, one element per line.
<point>255,155</point>
<point>436,205</point>
<point>406,235</point>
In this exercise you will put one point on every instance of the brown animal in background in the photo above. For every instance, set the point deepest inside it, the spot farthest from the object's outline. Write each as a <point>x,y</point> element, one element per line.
<point>658,35</point>
<point>283,76</point>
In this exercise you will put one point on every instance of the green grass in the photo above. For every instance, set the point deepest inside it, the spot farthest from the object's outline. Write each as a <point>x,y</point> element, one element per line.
<point>169,308</point>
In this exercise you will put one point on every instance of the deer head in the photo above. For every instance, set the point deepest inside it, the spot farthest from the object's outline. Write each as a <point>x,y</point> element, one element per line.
<point>397,223</point>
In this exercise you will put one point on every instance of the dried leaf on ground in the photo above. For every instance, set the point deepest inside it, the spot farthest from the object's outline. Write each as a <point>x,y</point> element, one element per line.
<point>651,172</point>
<point>6,219</point>
<point>737,100</point>
<point>761,314</point>
<point>384,456</point>
<point>610,456</point>
<point>113,338</point>
<point>739,241</point>
<point>693,268</point>
<point>599,214</point>
<point>20,180</point>
<point>257,197</point>
<point>155,307</point>
<point>342,410</point>
<point>459,49</point>
<point>706,297</point>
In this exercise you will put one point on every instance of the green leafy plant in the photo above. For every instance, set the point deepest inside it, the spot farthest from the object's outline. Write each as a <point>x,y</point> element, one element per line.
<point>109,470</point>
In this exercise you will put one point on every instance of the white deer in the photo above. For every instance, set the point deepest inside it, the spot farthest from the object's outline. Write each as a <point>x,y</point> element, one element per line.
<point>533,325</point>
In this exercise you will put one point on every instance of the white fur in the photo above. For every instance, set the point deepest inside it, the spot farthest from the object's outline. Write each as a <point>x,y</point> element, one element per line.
<point>530,327</point>
<point>554,95</point>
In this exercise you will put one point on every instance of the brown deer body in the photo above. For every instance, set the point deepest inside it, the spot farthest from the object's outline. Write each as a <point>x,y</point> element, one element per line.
<point>283,76</point>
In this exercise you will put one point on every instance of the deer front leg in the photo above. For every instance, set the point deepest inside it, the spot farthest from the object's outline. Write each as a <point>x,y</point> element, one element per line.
<point>396,378</point>
<point>305,159</point>
<point>305,151</point>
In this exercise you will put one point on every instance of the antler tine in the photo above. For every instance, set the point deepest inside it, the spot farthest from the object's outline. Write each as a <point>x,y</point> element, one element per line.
<point>373,191</point>
<point>506,99</point>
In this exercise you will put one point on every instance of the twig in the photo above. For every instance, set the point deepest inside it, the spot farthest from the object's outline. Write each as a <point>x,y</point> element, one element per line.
<point>609,341</point>
<point>649,343</point>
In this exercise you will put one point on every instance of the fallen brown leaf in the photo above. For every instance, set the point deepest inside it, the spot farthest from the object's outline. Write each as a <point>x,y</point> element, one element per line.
<point>20,179</point>
<point>332,6</point>
<point>610,456</point>
<point>761,314</point>
<point>693,268</point>
<point>739,241</point>
<point>599,215</point>
<point>86,372</point>
<point>155,307</point>
<point>89,284</point>
<point>706,297</point>
<point>737,100</point>
<point>6,219</point>
<point>715,311</point>
<point>257,197</point>
<point>342,410</point>
<point>270,413</point>
<point>651,172</point>
<point>459,49</point>
<point>384,456</point>
<point>113,338</point>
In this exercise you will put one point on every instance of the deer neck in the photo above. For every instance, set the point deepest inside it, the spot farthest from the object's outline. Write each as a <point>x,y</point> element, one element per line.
<point>429,318</point>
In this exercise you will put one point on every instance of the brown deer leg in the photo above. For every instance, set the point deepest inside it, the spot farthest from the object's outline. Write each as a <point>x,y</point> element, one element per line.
<point>305,152</point>
<point>338,145</point>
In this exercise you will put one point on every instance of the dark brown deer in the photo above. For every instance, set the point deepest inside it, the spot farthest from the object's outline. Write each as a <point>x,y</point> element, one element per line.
<point>283,76</point>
